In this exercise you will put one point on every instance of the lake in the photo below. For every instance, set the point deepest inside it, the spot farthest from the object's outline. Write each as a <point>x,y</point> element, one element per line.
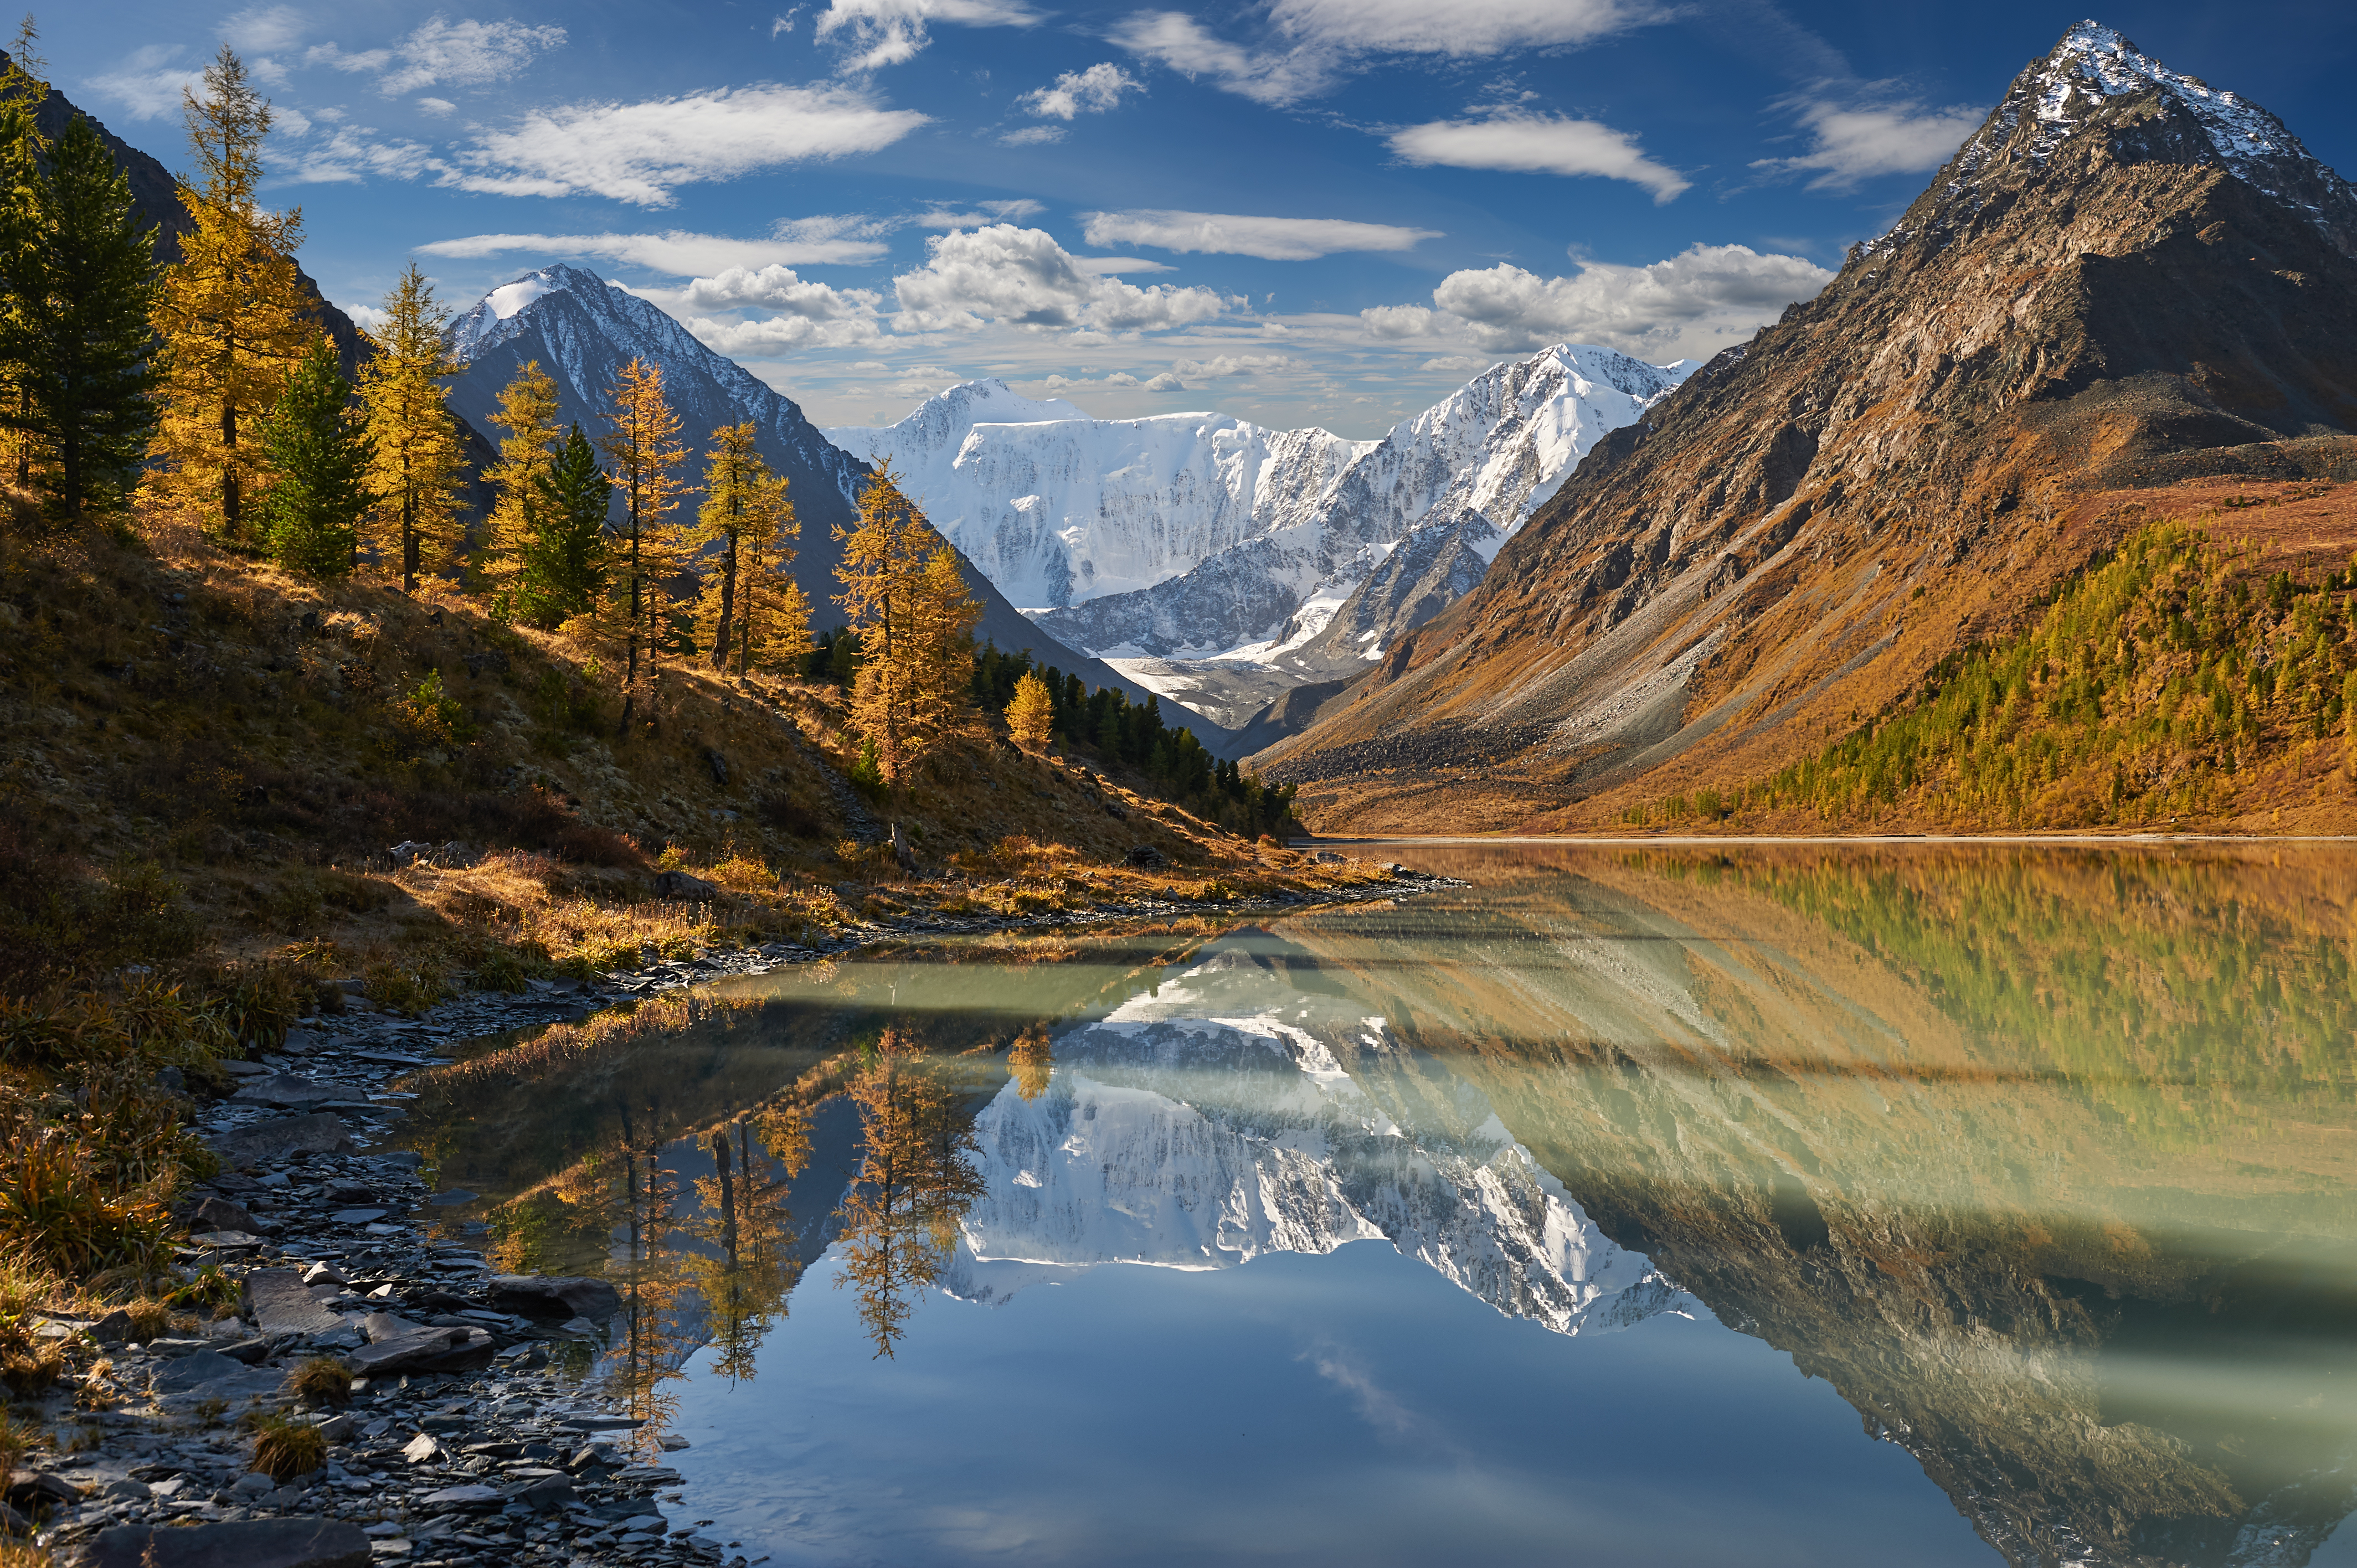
<point>1744,1204</point>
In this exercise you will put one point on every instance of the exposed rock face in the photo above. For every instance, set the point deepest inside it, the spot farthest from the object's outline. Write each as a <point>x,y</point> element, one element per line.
<point>2124,277</point>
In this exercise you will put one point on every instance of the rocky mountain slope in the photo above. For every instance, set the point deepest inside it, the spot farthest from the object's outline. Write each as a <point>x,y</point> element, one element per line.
<point>2124,278</point>
<point>583,330</point>
<point>1191,535</point>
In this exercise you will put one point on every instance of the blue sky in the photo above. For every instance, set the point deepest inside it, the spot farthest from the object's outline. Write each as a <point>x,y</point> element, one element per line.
<point>1297,211</point>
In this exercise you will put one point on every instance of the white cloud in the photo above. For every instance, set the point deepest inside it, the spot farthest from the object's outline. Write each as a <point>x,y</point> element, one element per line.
<point>1704,291</point>
<point>437,106</point>
<point>148,85</point>
<point>888,32</point>
<point>367,318</point>
<point>258,29</point>
<point>1537,143</point>
<point>684,253</point>
<point>1032,137</point>
<point>1235,235</point>
<point>777,334</point>
<point>987,212</point>
<point>1105,266</point>
<point>637,152</point>
<point>351,154</point>
<point>1311,44</point>
<point>1221,365</point>
<point>1855,144</point>
<point>1021,276</point>
<point>466,53</point>
<point>1090,91</point>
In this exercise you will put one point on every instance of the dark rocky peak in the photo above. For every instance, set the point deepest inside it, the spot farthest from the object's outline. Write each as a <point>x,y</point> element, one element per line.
<point>2098,98</point>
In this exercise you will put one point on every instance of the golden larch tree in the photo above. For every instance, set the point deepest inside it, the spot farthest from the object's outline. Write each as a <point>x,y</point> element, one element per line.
<point>528,412</point>
<point>745,613</point>
<point>642,449</point>
<point>903,594</point>
<point>1032,715</point>
<point>230,314</point>
<point>415,520</point>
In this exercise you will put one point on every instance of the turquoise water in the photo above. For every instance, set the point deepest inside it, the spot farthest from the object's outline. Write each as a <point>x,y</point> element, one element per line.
<point>1763,1205</point>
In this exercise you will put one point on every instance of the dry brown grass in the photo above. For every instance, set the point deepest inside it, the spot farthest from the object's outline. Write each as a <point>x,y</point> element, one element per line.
<point>285,1449</point>
<point>322,1380</point>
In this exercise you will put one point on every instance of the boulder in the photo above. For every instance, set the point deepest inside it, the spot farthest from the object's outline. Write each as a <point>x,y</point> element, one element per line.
<point>282,1303</point>
<point>207,1376</point>
<point>1146,857</point>
<point>558,1296</point>
<point>30,1491</point>
<point>381,1327</point>
<point>244,1543</point>
<point>429,1351</point>
<point>220,1214</point>
<point>688,889</point>
<point>547,1493</point>
<point>268,1142</point>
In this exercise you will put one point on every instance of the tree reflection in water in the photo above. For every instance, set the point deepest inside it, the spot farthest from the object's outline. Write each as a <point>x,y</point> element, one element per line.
<point>917,1179</point>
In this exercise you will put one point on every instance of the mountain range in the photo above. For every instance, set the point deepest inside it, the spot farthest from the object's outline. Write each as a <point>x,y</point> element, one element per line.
<point>1224,563</point>
<point>2124,279</point>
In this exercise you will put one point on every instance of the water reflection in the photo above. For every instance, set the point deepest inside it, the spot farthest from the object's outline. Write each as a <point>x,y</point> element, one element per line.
<point>2041,1160</point>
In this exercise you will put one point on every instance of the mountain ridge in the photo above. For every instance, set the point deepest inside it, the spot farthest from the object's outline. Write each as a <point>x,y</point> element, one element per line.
<point>2088,296</point>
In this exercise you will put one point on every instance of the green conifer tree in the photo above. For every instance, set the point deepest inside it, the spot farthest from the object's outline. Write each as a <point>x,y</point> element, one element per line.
<point>79,275</point>
<point>561,553</point>
<point>315,443</point>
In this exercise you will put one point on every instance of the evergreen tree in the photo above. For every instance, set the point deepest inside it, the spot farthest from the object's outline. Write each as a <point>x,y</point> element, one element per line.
<point>1031,715</point>
<point>80,276</point>
<point>643,448</point>
<point>562,555</point>
<point>904,596</point>
<point>229,311</point>
<point>318,448</point>
<point>528,412</point>
<point>417,456</point>
<point>22,148</point>
<point>751,608</point>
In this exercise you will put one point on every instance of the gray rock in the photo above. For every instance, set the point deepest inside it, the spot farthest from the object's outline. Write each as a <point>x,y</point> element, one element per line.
<point>254,1484</point>
<point>547,1493</point>
<point>688,889</point>
<point>558,1296</point>
<point>266,1143</point>
<point>206,1376</point>
<point>421,1448</point>
<point>112,1330</point>
<point>430,1350</point>
<point>244,1543</point>
<point>286,1089</point>
<point>455,1195</point>
<point>220,1214</point>
<point>380,1326</point>
<point>244,1069</point>
<point>465,1497</point>
<point>282,1303</point>
<point>409,1159</point>
<point>358,1216</point>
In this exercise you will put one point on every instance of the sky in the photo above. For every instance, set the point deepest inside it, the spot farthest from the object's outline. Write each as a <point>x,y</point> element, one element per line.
<point>1327,212</point>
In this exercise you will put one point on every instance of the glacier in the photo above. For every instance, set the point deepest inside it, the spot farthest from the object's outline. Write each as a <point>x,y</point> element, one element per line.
<point>1202,536</point>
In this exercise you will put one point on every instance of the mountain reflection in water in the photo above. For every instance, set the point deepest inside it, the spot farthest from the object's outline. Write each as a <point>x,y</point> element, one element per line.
<point>2042,1159</point>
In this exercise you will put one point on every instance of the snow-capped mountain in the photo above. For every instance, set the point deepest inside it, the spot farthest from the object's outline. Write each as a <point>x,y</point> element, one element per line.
<point>582,330</point>
<point>1188,535</point>
<point>1178,1134</point>
<point>1061,508</point>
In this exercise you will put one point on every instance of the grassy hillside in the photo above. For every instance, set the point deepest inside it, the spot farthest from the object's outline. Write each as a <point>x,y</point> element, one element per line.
<point>2200,674</point>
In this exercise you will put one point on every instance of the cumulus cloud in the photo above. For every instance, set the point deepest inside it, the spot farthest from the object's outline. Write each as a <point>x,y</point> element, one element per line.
<point>878,33</point>
<point>1023,278</point>
<point>1076,93</point>
<point>1638,311</point>
<point>148,83</point>
<point>367,318</point>
<point>1537,143</point>
<point>1235,235</point>
<point>1309,45</point>
<point>684,253</point>
<point>1854,144</point>
<point>637,152</point>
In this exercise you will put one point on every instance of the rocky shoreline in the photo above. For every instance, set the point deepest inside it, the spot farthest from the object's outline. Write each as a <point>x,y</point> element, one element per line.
<point>471,1437</point>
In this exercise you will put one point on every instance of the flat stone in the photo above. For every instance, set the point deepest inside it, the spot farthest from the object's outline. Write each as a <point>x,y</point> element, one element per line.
<point>455,1195</point>
<point>220,1214</point>
<point>290,1091</point>
<point>380,1326</point>
<point>421,1448</point>
<point>557,1295</point>
<point>431,1350</point>
<point>358,1216</point>
<point>206,1376</point>
<point>468,1497</point>
<point>224,1241</point>
<point>267,1142</point>
<point>602,1422</point>
<point>302,1542</point>
<point>282,1303</point>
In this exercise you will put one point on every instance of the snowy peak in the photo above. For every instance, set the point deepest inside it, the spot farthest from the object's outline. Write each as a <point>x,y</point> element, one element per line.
<point>948,414</point>
<point>2089,72</point>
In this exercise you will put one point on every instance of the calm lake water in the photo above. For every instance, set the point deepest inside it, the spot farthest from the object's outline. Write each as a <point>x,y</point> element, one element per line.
<point>1771,1205</point>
